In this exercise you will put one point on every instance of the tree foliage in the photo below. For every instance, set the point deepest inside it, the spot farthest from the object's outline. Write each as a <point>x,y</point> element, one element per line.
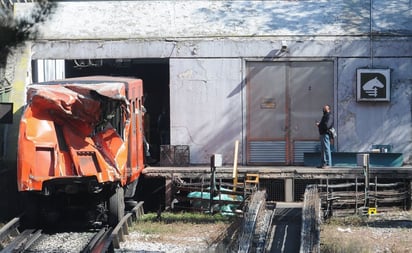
<point>15,31</point>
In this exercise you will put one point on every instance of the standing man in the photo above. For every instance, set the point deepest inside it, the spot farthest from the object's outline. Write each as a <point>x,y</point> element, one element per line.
<point>324,125</point>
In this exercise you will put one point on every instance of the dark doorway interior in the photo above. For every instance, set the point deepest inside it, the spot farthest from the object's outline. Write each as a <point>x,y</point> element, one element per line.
<point>155,76</point>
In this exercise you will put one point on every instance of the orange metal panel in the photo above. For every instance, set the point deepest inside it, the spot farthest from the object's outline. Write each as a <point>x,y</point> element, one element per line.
<point>64,131</point>
<point>45,161</point>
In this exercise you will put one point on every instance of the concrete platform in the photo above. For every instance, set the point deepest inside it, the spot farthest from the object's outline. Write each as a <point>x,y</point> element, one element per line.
<point>282,172</point>
<point>282,183</point>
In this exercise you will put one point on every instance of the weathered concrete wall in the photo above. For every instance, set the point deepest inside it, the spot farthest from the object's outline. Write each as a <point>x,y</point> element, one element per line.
<point>207,84</point>
<point>208,43</point>
<point>205,115</point>
<point>182,19</point>
<point>363,124</point>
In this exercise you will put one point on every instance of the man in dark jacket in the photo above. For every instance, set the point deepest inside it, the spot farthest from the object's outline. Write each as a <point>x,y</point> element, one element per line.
<point>324,125</point>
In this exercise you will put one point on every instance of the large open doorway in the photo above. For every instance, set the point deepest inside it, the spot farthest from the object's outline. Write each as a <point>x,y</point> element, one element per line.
<point>153,72</point>
<point>285,100</point>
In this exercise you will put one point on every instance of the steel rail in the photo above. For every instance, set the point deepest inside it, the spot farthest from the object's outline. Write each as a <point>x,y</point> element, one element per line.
<point>122,228</point>
<point>255,208</point>
<point>22,241</point>
<point>10,229</point>
<point>100,242</point>
<point>104,240</point>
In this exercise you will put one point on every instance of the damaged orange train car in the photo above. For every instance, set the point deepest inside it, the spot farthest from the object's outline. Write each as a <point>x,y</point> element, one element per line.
<point>80,149</point>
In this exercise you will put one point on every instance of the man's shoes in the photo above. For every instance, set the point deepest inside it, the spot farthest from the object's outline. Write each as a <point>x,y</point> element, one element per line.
<point>323,167</point>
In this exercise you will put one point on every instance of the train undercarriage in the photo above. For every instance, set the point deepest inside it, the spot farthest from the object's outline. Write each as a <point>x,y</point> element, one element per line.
<point>79,203</point>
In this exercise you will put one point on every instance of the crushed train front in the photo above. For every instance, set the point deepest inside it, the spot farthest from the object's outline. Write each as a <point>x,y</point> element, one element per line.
<point>81,136</point>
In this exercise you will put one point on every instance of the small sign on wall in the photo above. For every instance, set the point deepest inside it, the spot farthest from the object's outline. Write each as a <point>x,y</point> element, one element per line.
<point>268,103</point>
<point>373,85</point>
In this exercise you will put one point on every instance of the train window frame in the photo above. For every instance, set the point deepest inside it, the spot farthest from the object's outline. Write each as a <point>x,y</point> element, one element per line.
<point>6,113</point>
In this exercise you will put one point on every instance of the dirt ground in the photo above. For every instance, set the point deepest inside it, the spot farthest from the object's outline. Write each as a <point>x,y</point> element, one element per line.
<point>179,237</point>
<point>389,232</point>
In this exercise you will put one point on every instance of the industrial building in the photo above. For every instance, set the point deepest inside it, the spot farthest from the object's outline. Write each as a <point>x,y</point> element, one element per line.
<point>254,71</point>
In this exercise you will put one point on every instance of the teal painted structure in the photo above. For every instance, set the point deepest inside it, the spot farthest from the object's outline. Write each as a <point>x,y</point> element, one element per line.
<point>349,159</point>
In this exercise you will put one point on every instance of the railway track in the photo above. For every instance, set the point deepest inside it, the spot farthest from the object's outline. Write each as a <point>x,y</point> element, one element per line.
<point>15,239</point>
<point>270,227</point>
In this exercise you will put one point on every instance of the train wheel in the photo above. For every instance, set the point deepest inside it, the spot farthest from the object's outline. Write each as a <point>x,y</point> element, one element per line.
<point>116,206</point>
<point>31,204</point>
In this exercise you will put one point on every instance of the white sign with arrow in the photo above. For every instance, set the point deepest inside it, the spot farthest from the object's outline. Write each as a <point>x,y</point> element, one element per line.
<point>373,85</point>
